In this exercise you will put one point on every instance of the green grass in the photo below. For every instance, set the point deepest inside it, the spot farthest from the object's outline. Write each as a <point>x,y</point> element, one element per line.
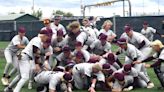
<point>3,44</point>
<point>150,72</point>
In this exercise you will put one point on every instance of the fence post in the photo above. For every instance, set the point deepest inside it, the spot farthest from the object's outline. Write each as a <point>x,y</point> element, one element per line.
<point>114,23</point>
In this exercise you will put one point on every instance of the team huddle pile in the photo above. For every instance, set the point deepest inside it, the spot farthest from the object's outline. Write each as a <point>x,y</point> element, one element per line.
<point>81,58</point>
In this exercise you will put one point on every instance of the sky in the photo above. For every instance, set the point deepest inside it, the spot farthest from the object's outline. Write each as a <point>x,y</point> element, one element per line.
<point>47,6</point>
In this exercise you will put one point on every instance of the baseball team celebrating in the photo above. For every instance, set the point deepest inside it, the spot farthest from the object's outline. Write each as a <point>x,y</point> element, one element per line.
<point>63,59</point>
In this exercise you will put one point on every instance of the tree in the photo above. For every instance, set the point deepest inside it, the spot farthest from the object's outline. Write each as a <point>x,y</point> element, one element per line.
<point>62,13</point>
<point>37,13</point>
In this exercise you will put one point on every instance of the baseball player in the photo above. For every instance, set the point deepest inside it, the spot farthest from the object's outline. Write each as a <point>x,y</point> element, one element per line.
<point>132,54</point>
<point>158,66</point>
<point>57,81</point>
<point>140,80</point>
<point>56,26</point>
<point>84,71</point>
<point>149,32</point>
<point>101,46</point>
<point>138,40</point>
<point>30,53</point>
<point>47,22</point>
<point>112,60</point>
<point>89,31</point>
<point>83,54</point>
<point>13,49</point>
<point>58,42</point>
<point>45,57</point>
<point>106,30</point>
<point>121,82</point>
<point>74,34</point>
<point>64,57</point>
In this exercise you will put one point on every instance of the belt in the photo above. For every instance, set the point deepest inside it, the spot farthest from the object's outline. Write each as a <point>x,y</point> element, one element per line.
<point>27,55</point>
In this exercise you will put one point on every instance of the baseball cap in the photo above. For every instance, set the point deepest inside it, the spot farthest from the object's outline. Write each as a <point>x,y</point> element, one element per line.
<point>127,29</point>
<point>44,31</point>
<point>59,68</point>
<point>157,43</point>
<point>121,41</point>
<point>111,58</point>
<point>145,23</point>
<point>78,43</point>
<point>106,66</point>
<point>67,77</point>
<point>79,55</point>
<point>21,30</point>
<point>60,32</point>
<point>93,60</point>
<point>66,49</point>
<point>127,67</point>
<point>57,18</point>
<point>102,36</point>
<point>119,76</point>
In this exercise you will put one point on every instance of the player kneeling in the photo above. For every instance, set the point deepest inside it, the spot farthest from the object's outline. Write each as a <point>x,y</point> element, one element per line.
<point>56,81</point>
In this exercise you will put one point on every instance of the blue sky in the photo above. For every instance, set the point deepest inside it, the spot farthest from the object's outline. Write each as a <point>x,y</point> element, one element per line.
<point>138,7</point>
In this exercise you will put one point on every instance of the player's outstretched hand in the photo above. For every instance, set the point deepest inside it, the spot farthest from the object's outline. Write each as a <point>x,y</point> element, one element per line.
<point>147,65</point>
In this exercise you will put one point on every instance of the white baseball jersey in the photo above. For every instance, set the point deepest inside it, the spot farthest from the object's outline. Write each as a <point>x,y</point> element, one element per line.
<point>108,33</point>
<point>99,49</point>
<point>53,78</point>
<point>148,33</point>
<point>55,43</point>
<point>132,52</point>
<point>16,41</point>
<point>136,39</point>
<point>85,53</point>
<point>36,41</point>
<point>44,51</point>
<point>90,33</point>
<point>159,55</point>
<point>56,28</point>
<point>63,59</point>
<point>135,73</point>
<point>86,69</point>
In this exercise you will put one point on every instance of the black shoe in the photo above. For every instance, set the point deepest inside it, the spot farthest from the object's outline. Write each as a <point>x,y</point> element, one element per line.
<point>7,89</point>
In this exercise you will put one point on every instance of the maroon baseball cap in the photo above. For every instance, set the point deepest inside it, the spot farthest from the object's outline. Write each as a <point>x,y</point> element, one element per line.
<point>110,71</point>
<point>66,49</point>
<point>145,23</point>
<point>60,32</point>
<point>102,36</point>
<point>67,77</point>
<point>44,31</point>
<point>127,67</point>
<point>119,76</point>
<point>78,43</point>
<point>79,55</point>
<point>121,41</point>
<point>127,29</point>
<point>93,60</point>
<point>106,66</point>
<point>21,30</point>
<point>111,58</point>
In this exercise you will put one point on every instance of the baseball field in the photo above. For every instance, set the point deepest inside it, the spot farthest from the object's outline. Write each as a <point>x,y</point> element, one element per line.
<point>2,64</point>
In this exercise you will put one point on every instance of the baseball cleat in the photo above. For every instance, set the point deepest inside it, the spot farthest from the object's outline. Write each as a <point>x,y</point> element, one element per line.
<point>7,89</point>
<point>5,81</point>
<point>150,85</point>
